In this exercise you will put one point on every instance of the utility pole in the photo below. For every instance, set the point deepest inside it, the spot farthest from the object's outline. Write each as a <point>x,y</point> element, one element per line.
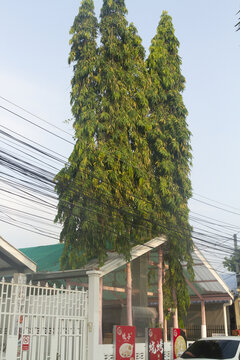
<point>237,264</point>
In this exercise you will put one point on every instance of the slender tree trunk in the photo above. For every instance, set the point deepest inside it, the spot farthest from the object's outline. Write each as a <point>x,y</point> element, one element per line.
<point>100,309</point>
<point>129,295</point>
<point>165,328</point>
<point>175,315</point>
<point>160,289</point>
<point>204,324</point>
<point>165,331</point>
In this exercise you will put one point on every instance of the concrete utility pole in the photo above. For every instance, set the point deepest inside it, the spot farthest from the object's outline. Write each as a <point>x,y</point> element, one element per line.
<point>237,264</point>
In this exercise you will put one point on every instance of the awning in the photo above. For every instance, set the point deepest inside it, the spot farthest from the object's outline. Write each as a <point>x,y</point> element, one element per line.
<point>13,261</point>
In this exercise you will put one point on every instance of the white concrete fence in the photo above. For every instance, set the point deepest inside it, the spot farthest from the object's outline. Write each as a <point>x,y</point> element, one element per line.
<point>48,323</point>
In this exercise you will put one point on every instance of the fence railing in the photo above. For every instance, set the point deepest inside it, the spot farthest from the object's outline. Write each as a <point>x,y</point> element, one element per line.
<point>194,331</point>
<point>42,322</point>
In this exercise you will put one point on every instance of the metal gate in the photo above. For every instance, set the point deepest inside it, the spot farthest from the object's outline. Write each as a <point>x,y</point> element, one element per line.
<point>42,322</point>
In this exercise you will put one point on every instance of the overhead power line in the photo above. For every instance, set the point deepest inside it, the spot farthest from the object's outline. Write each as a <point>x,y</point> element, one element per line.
<point>210,244</point>
<point>34,115</point>
<point>33,142</point>
<point>216,221</point>
<point>51,189</point>
<point>39,126</point>
<point>29,155</point>
<point>50,181</point>
<point>49,123</point>
<point>51,156</point>
<point>217,202</point>
<point>216,207</point>
<point>42,184</point>
<point>32,231</point>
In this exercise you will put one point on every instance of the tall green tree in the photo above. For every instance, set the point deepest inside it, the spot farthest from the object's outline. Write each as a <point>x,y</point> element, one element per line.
<point>169,141</point>
<point>73,180</point>
<point>103,190</point>
<point>123,134</point>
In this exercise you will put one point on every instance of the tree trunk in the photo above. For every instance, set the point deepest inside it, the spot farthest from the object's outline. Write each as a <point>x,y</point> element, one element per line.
<point>129,295</point>
<point>175,315</point>
<point>160,289</point>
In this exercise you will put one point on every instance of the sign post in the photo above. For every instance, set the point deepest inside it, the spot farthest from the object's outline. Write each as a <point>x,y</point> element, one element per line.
<point>179,342</point>
<point>124,342</point>
<point>154,344</point>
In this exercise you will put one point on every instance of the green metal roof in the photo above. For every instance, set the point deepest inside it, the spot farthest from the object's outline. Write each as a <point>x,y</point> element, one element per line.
<point>46,257</point>
<point>206,282</point>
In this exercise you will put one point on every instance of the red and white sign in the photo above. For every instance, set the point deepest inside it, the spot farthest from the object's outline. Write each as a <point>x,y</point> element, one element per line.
<point>124,341</point>
<point>25,342</point>
<point>155,344</point>
<point>179,342</point>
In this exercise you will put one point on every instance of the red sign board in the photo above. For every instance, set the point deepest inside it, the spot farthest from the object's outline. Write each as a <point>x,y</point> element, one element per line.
<point>124,341</point>
<point>155,344</point>
<point>25,342</point>
<point>179,342</point>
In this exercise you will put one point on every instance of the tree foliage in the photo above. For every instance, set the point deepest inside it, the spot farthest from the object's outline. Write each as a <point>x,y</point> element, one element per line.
<point>74,180</point>
<point>127,179</point>
<point>169,141</point>
<point>103,188</point>
<point>230,262</point>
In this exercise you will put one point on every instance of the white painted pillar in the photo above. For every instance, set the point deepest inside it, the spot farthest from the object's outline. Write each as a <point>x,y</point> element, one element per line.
<point>20,278</point>
<point>203,331</point>
<point>100,310</point>
<point>93,314</point>
<point>225,316</point>
<point>225,320</point>
<point>204,324</point>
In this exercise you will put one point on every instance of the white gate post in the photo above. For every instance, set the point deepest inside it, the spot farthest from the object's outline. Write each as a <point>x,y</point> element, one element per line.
<point>93,314</point>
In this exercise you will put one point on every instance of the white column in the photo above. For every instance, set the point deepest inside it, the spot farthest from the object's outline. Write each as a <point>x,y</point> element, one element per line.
<point>225,316</point>
<point>100,309</point>
<point>203,331</point>
<point>20,278</point>
<point>93,314</point>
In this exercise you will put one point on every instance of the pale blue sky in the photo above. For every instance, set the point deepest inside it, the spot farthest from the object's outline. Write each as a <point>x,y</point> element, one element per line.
<point>35,74</point>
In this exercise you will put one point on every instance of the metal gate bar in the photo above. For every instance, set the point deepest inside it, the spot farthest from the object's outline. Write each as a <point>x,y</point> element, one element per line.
<point>42,322</point>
